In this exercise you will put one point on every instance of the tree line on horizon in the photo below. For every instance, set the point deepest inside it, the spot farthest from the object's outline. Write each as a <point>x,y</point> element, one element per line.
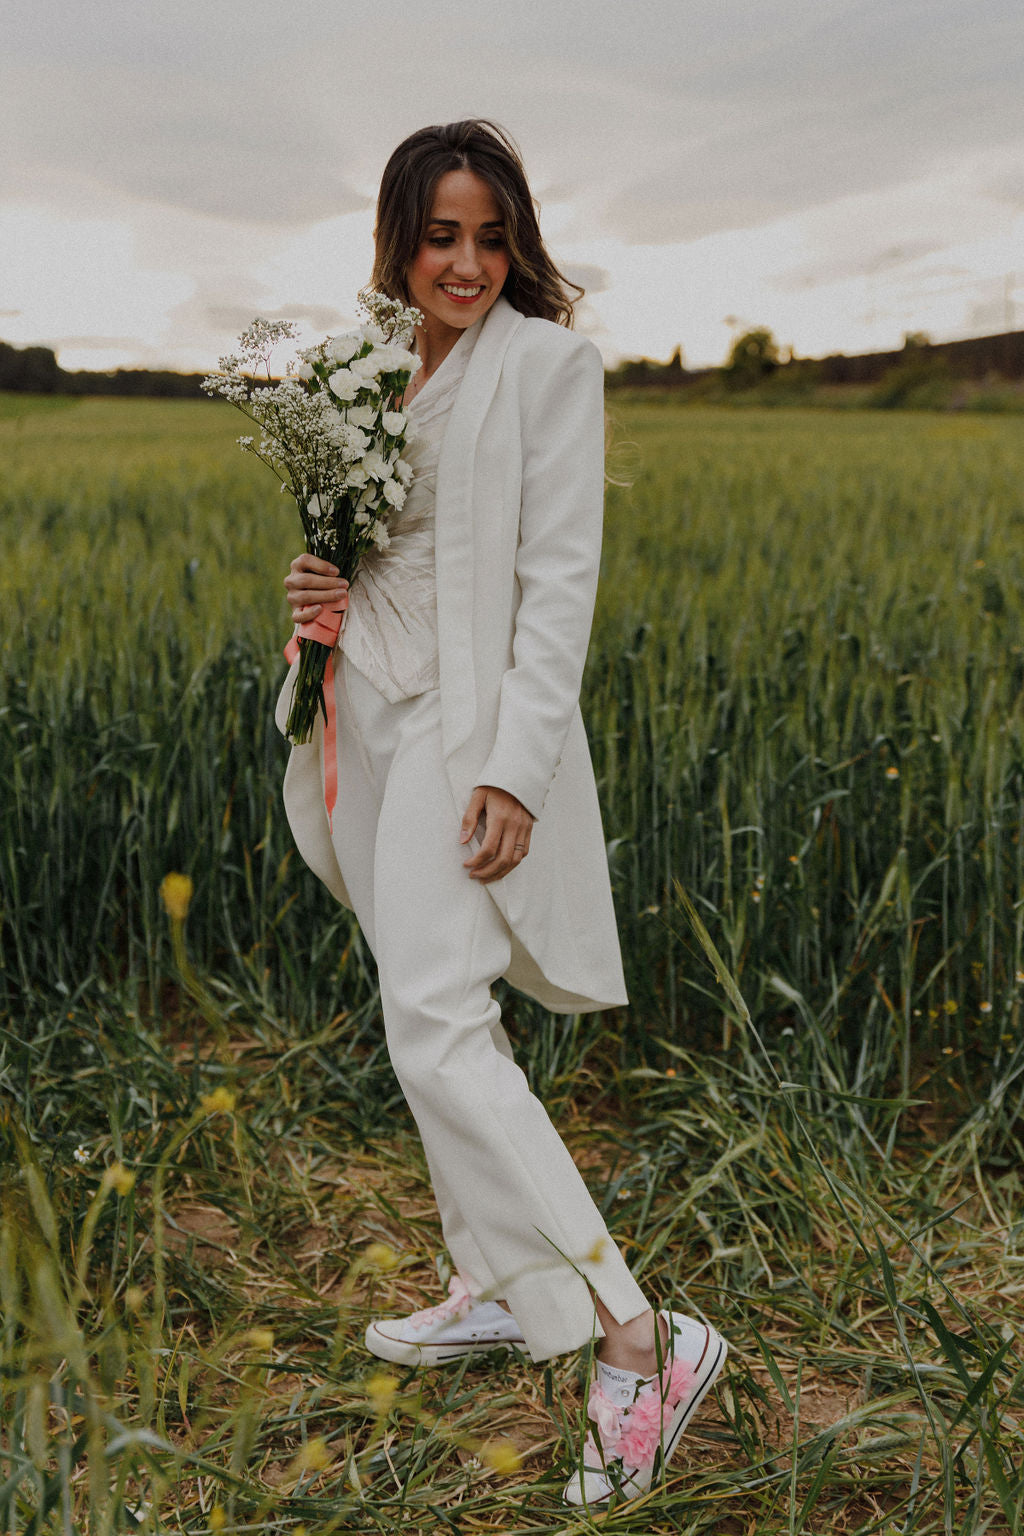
<point>921,372</point>
<point>918,373</point>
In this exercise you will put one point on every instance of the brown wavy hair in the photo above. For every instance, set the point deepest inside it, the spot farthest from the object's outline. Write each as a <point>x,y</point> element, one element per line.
<point>534,284</point>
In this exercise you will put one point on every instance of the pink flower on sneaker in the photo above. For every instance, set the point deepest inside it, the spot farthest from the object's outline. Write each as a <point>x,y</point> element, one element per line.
<point>633,1434</point>
<point>456,1304</point>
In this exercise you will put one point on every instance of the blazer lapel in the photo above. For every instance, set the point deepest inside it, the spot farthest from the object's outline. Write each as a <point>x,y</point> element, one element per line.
<point>454,531</point>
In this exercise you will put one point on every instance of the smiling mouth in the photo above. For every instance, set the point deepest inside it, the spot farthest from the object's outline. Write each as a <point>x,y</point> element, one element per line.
<point>461,293</point>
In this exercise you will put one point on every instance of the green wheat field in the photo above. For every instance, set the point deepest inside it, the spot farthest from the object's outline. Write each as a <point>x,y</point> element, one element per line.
<point>805,704</point>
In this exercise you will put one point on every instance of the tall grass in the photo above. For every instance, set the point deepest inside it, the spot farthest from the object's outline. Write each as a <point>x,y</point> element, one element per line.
<point>804,705</point>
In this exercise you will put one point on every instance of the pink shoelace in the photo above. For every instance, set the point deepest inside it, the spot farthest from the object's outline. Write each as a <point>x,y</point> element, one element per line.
<point>632,1434</point>
<point>457,1304</point>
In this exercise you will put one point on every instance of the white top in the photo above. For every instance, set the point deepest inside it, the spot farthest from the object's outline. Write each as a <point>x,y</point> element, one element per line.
<point>390,632</point>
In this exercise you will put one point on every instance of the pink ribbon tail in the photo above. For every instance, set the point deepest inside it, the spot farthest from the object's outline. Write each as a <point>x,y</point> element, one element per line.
<point>326,628</point>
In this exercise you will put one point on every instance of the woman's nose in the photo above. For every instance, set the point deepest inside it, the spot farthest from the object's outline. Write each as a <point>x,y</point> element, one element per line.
<point>465,260</point>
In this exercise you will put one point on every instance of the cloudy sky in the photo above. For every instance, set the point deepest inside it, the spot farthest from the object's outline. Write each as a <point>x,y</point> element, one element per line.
<point>842,171</point>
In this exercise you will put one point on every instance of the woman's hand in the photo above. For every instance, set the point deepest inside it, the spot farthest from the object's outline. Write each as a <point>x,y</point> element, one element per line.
<point>504,833</point>
<point>313,584</point>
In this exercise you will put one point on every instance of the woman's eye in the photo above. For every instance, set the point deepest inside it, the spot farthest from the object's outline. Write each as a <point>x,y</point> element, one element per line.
<point>497,243</point>
<point>439,240</point>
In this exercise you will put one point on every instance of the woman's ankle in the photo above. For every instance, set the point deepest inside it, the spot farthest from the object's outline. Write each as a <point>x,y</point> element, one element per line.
<point>631,1346</point>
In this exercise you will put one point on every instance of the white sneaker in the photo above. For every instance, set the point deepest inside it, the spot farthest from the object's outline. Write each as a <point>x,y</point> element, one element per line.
<point>453,1329</point>
<point>638,1419</point>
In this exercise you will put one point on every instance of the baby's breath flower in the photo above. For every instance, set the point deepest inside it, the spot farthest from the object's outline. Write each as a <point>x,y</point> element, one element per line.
<point>220,1100</point>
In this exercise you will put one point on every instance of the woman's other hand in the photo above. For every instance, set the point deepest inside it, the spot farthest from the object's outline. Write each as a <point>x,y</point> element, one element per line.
<point>312,584</point>
<point>504,826</point>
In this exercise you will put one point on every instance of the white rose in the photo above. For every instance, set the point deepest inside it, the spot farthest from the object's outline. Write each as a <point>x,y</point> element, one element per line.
<point>362,416</point>
<point>394,493</point>
<point>395,359</point>
<point>304,371</point>
<point>376,465</point>
<point>393,422</point>
<point>341,348</point>
<point>344,384</point>
<point>366,367</point>
<point>313,508</point>
<point>380,535</point>
<point>403,472</point>
<point>361,519</point>
<point>356,477</point>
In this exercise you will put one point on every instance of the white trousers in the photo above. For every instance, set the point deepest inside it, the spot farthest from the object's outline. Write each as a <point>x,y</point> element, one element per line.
<point>517,1218</point>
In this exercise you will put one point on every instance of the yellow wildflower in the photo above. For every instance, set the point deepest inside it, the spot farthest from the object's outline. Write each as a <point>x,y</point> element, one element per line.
<point>381,1389</point>
<point>892,772</point>
<point>219,1099</point>
<point>381,1256</point>
<point>985,1007</point>
<point>118,1178</point>
<point>261,1338</point>
<point>314,1456</point>
<point>134,1298</point>
<point>501,1456</point>
<point>218,1519</point>
<point>176,891</point>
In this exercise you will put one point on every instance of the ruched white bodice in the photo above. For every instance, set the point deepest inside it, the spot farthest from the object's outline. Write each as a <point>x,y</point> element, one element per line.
<point>390,633</point>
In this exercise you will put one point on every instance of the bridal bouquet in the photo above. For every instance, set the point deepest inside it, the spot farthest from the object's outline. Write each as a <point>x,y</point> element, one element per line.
<point>333,434</point>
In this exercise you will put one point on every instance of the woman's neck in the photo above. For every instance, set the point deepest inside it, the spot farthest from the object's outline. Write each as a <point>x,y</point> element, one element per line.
<point>434,341</point>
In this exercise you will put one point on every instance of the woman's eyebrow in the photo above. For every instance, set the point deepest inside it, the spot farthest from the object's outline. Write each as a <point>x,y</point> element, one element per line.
<point>454,223</point>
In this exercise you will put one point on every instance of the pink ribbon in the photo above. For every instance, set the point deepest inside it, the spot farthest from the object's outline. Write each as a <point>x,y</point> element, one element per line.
<point>326,628</point>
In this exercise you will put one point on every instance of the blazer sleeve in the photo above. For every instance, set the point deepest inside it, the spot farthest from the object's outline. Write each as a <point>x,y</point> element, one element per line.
<point>557,566</point>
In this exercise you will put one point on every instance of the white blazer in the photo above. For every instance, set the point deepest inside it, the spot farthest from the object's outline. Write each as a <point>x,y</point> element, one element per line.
<point>520,493</point>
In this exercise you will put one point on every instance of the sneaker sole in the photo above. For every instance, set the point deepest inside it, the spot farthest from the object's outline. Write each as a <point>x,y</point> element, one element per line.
<point>400,1352</point>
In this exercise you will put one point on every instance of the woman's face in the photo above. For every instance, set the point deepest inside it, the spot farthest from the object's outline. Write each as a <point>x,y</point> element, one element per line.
<point>462,261</point>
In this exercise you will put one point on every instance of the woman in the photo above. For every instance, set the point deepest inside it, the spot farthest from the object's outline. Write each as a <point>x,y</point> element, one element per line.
<point>467,836</point>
